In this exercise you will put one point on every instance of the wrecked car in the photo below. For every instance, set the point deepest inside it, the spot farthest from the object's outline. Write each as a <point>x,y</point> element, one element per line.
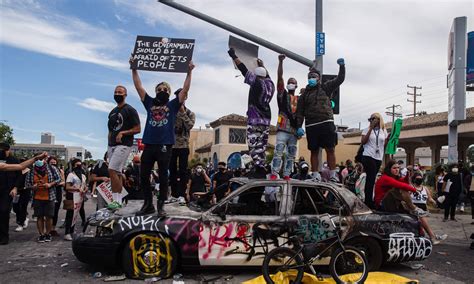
<point>241,228</point>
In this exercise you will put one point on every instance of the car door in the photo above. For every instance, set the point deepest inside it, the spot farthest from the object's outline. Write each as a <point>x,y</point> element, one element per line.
<point>243,226</point>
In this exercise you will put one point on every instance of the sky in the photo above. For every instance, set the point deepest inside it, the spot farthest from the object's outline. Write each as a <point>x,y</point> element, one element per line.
<point>61,59</point>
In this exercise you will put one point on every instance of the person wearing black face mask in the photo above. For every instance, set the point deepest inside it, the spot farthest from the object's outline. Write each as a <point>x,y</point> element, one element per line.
<point>453,190</point>
<point>159,136</point>
<point>303,172</point>
<point>123,124</point>
<point>422,194</point>
<point>220,181</point>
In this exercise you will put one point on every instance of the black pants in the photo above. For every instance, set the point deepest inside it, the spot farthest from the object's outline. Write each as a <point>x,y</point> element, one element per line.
<point>371,167</point>
<point>450,205</point>
<point>21,207</point>
<point>471,199</point>
<point>178,171</point>
<point>69,229</point>
<point>5,207</point>
<point>57,205</point>
<point>82,213</point>
<point>162,155</point>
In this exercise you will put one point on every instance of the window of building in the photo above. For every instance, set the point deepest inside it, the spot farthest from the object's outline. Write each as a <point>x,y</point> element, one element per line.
<point>217,138</point>
<point>237,136</point>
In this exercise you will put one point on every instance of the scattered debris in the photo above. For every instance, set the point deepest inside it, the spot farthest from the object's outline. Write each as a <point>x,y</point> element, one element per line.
<point>442,252</point>
<point>447,262</point>
<point>97,274</point>
<point>64,264</point>
<point>9,262</point>
<point>416,266</point>
<point>177,276</point>
<point>115,278</point>
<point>152,280</point>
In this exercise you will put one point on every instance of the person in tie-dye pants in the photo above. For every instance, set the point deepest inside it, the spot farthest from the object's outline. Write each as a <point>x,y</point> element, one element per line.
<point>259,113</point>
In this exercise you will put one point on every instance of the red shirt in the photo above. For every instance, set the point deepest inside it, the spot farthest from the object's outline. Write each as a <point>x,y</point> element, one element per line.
<point>385,183</point>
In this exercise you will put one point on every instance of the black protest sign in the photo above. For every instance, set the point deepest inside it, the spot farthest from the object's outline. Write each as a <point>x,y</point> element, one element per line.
<point>162,54</point>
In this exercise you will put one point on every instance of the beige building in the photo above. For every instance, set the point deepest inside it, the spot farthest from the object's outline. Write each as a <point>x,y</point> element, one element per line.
<point>228,135</point>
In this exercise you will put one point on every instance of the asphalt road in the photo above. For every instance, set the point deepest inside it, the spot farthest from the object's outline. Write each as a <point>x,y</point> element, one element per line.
<point>26,261</point>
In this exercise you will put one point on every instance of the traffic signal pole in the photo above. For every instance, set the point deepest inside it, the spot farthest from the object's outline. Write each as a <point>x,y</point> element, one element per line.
<point>242,33</point>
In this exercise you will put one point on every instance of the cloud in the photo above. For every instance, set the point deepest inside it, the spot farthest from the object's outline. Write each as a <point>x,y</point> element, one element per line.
<point>383,53</point>
<point>86,137</point>
<point>95,104</point>
<point>27,25</point>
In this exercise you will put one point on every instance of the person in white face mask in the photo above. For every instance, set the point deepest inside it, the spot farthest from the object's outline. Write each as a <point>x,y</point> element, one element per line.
<point>286,138</point>
<point>452,187</point>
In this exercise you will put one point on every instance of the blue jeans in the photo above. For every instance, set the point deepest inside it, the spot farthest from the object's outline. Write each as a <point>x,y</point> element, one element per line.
<point>285,143</point>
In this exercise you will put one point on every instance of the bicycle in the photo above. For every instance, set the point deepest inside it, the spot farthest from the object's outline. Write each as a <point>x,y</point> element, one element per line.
<point>344,259</point>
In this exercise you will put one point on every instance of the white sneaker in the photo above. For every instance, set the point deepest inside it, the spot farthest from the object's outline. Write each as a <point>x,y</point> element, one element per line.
<point>25,225</point>
<point>420,212</point>
<point>438,238</point>
<point>68,237</point>
<point>316,176</point>
<point>461,209</point>
<point>19,228</point>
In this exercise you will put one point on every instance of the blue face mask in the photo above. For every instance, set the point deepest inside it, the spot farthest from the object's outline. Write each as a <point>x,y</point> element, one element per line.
<point>312,82</point>
<point>39,163</point>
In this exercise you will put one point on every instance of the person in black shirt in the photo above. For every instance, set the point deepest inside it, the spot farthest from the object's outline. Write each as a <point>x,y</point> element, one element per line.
<point>197,183</point>
<point>100,174</point>
<point>132,180</point>
<point>123,124</point>
<point>220,182</point>
<point>454,191</point>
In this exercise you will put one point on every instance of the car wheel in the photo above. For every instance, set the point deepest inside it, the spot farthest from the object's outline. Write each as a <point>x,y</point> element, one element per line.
<point>149,255</point>
<point>372,250</point>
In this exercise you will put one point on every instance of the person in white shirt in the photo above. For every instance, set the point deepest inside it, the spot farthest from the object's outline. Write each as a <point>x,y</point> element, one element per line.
<point>422,194</point>
<point>374,138</point>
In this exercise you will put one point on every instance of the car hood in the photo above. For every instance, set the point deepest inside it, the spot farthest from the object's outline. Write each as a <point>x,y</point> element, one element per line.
<point>172,210</point>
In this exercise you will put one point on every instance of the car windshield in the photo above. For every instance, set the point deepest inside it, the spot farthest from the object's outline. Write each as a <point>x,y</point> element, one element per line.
<point>355,204</point>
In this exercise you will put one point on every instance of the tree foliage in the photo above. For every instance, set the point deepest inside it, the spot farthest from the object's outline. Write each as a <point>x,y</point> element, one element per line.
<point>6,134</point>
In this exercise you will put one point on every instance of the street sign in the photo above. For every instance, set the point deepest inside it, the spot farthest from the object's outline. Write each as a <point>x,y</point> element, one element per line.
<point>320,44</point>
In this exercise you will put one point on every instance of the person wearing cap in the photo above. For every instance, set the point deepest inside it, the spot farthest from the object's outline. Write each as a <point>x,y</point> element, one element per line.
<point>314,108</point>
<point>179,155</point>
<point>259,113</point>
<point>303,171</point>
<point>159,136</point>
<point>123,124</point>
<point>286,139</point>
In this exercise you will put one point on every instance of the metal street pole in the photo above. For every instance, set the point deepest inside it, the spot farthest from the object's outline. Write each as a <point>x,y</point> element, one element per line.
<point>319,59</point>
<point>237,31</point>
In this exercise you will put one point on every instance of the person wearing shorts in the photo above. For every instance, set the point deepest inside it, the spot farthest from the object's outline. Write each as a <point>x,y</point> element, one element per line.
<point>314,108</point>
<point>123,124</point>
<point>42,180</point>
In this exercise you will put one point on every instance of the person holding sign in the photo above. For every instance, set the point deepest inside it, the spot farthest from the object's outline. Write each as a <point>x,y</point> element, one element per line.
<point>314,107</point>
<point>123,124</point>
<point>159,136</point>
<point>259,113</point>
<point>286,133</point>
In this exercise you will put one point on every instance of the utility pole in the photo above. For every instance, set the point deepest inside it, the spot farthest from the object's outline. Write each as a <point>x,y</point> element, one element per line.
<point>414,101</point>
<point>392,113</point>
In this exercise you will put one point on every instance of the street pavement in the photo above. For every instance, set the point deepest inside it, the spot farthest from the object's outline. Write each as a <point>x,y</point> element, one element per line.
<point>25,261</point>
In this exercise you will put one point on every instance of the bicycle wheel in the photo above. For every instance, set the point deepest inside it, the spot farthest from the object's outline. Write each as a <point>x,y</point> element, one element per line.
<point>350,262</point>
<point>283,259</point>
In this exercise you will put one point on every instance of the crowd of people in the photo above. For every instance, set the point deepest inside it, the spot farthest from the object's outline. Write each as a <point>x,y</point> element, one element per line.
<point>163,164</point>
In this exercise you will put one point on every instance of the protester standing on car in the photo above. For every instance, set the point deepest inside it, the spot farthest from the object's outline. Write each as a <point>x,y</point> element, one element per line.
<point>179,156</point>
<point>42,180</point>
<point>123,124</point>
<point>374,138</point>
<point>259,113</point>
<point>314,107</point>
<point>453,186</point>
<point>286,138</point>
<point>159,136</point>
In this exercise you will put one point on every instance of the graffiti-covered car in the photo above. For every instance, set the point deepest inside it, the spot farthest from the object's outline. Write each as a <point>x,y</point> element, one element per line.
<point>243,227</point>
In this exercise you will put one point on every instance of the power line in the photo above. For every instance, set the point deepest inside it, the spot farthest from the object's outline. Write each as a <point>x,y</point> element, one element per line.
<point>414,94</point>
<point>392,113</point>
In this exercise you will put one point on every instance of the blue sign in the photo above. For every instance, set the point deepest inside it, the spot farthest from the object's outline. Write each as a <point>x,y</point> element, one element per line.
<point>320,41</point>
<point>470,59</point>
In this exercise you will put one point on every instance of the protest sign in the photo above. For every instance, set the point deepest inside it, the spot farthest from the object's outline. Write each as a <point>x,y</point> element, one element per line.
<point>247,52</point>
<point>162,54</point>
<point>105,190</point>
<point>78,197</point>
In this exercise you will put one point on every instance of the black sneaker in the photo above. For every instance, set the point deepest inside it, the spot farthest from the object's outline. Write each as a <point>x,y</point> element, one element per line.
<point>40,239</point>
<point>47,238</point>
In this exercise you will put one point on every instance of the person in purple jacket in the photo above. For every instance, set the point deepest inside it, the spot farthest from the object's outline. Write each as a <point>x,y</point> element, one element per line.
<point>259,113</point>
